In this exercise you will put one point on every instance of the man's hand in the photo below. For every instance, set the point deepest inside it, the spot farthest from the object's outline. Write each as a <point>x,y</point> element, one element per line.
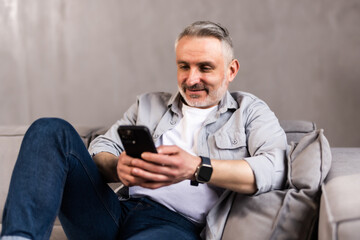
<point>170,165</point>
<point>124,171</point>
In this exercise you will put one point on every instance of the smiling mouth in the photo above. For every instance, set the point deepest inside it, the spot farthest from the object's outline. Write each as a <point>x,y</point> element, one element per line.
<point>195,93</point>
<point>195,88</point>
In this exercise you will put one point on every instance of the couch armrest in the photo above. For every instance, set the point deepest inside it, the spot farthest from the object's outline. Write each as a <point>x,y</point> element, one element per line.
<point>340,208</point>
<point>345,161</point>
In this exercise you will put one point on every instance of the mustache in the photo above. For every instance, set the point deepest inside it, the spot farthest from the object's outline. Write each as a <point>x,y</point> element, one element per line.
<point>195,87</point>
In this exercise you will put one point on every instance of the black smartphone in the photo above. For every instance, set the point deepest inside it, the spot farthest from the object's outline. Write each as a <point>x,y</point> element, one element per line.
<point>136,140</point>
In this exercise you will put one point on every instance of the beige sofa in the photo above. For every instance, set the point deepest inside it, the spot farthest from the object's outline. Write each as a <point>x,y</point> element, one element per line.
<point>340,199</point>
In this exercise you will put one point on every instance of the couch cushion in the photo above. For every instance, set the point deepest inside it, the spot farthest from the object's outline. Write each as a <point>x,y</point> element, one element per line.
<point>340,208</point>
<point>10,141</point>
<point>296,129</point>
<point>290,213</point>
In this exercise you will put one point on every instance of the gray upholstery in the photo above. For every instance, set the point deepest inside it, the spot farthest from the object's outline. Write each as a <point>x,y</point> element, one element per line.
<point>10,141</point>
<point>340,208</point>
<point>296,129</point>
<point>340,201</point>
<point>346,163</point>
<point>251,217</point>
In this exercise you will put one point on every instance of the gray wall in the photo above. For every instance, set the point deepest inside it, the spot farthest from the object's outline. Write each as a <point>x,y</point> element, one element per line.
<point>86,60</point>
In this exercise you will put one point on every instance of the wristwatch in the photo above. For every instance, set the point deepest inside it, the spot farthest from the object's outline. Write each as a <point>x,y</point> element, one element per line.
<point>203,171</point>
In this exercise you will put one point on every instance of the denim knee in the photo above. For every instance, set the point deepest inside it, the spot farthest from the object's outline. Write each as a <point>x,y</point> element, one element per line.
<point>48,134</point>
<point>45,128</point>
<point>50,124</point>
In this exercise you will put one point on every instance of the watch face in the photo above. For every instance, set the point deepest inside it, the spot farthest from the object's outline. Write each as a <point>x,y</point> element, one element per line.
<point>204,173</point>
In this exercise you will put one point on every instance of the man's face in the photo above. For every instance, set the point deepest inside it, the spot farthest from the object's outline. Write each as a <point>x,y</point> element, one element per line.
<point>203,78</point>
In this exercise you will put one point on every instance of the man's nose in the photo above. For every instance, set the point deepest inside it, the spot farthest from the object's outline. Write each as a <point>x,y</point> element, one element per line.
<point>193,77</point>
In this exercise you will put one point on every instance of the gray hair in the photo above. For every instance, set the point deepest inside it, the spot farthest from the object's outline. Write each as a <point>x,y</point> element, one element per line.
<point>210,29</point>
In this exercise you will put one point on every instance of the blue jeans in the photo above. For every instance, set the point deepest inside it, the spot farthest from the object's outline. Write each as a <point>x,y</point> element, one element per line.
<point>55,176</point>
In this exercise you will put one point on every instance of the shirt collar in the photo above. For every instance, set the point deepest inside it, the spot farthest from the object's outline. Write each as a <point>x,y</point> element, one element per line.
<point>175,103</point>
<point>227,103</point>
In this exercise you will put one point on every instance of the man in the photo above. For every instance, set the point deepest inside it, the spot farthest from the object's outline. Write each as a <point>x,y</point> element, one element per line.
<point>226,142</point>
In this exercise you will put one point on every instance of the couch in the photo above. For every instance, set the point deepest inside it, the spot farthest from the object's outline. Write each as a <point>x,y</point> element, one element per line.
<point>339,205</point>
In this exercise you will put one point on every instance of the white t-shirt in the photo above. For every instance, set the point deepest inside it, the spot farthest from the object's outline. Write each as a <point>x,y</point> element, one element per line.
<point>190,201</point>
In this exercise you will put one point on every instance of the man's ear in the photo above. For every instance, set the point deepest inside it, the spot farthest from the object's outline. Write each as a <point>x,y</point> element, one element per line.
<point>233,69</point>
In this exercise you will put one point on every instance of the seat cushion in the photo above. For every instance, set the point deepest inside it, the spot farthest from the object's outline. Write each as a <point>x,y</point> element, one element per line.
<point>10,141</point>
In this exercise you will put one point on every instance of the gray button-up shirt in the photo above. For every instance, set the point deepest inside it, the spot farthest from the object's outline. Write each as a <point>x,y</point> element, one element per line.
<point>243,128</point>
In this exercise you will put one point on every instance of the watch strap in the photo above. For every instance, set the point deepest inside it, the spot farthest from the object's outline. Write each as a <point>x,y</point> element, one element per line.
<point>205,161</point>
<point>194,183</point>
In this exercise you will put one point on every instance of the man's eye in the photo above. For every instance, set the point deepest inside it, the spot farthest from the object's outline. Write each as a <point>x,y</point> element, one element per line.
<point>205,68</point>
<point>184,67</point>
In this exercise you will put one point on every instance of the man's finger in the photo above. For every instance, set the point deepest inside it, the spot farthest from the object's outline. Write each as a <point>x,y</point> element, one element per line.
<point>137,172</point>
<point>155,185</point>
<point>168,149</point>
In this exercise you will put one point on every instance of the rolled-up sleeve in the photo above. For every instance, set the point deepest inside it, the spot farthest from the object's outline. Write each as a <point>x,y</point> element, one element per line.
<point>110,142</point>
<point>267,147</point>
<point>147,110</point>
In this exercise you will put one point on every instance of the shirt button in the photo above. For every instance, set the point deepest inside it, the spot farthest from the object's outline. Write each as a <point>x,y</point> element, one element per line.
<point>234,142</point>
<point>172,122</point>
<point>156,136</point>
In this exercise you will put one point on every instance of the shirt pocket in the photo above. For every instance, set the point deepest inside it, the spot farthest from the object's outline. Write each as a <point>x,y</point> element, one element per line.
<point>231,144</point>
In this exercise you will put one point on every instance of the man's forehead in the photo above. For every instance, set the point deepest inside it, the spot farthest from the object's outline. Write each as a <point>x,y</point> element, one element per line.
<point>200,48</point>
<point>194,40</point>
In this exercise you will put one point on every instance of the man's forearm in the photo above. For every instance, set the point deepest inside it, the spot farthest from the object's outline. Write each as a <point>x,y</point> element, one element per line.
<point>235,175</point>
<point>172,164</point>
<point>106,163</point>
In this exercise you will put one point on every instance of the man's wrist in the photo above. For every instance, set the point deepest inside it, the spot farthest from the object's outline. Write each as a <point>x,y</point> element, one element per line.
<point>203,171</point>
<point>193,181</point>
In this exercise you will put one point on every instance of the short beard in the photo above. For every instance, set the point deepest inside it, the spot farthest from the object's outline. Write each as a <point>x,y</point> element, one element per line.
<point>212,98</point>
